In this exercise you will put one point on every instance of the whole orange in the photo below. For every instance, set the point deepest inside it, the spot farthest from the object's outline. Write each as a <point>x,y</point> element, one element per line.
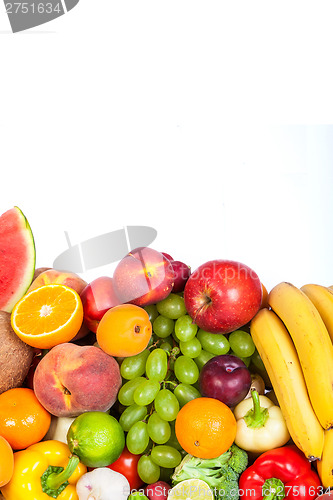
<point>205,427</point>
<point>124,330</point>
<point>6,462</point>
<point>23,420</point>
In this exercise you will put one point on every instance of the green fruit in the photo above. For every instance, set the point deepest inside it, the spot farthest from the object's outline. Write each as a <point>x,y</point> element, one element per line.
<point>96,438</point>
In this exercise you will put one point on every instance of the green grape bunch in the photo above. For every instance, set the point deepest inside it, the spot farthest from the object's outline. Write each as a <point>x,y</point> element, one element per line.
<point>164,377</point>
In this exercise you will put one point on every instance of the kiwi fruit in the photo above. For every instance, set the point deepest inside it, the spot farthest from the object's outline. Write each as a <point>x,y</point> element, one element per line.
<point>15,356</point>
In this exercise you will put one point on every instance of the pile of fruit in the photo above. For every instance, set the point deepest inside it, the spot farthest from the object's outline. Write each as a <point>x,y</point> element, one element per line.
<point>159,383</point>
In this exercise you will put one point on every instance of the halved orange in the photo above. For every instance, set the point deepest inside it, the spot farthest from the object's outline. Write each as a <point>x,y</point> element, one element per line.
<point>48,316</point>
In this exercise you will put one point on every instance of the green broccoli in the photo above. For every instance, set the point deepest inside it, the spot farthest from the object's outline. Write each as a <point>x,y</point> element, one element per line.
<point>238,460</point>
<point>221,473</point>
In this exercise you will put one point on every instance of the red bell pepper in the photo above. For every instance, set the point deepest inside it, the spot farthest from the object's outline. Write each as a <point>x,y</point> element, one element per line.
<point>279,473</point>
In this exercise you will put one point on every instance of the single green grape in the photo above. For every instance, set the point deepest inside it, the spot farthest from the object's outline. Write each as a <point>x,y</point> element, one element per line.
<point>134,366</point>
<point>241,344</point>
<point>166,405</point>
<point>172,307</point>
<point>146,392</point>
<point>158,429</point>
<point>163,326</point>
<point>137,438</point>
<point>152,312</point>
<point>166,456</point>
<point>185,329</point>
<point>166,346</point>
<point>148,470</point>
<point>191,348</point>
<point>185,393</point>
<point>157,365</point>
<point>215,343</point>
<point>186,370</point>
<point>203,357</point>
<point>131,415</point>
<point>126,392</point>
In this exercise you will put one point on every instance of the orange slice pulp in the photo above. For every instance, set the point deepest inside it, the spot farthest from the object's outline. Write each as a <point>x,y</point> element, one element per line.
<point>48,316</point>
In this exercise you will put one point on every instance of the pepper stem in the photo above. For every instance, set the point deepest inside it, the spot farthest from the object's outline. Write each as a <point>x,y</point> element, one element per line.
<point>55,480</point>
<point>257,416</point>
<point>273,489</point>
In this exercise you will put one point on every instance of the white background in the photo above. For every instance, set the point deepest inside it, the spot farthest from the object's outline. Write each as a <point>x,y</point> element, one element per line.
<point>209,121</point>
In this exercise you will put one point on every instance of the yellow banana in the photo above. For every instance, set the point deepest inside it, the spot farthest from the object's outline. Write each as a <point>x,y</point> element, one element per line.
<point>325,465</point>
<point>313,346</point>
<point>322,299</point>
<point>279,356</point>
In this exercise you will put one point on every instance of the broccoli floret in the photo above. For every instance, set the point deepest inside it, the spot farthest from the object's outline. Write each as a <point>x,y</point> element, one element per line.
<point>228,485</point>
<point>221,473</point>
<point>238,460</point>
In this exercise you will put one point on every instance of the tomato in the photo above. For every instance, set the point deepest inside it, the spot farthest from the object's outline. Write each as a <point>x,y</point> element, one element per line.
<point>127,465</point>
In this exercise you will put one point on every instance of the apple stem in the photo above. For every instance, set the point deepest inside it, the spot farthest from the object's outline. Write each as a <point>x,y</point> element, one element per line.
<point>207,302</point>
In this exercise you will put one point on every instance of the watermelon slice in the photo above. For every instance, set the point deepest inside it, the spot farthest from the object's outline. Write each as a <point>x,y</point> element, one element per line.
<point>17,258</point>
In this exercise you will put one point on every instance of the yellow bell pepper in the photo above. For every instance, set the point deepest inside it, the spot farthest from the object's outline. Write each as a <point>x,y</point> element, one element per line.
<point>44,470</point>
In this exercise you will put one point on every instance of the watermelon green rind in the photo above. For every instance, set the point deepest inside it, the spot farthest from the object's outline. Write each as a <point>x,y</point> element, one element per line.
<point>17,257</point>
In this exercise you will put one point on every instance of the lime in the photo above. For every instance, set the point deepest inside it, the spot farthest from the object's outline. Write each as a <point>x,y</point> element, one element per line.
<point>191,489</point>
<point>96,438</point>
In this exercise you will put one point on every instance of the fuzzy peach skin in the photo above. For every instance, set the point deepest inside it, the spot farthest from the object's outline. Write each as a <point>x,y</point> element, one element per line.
<point>72,379</point>
<point>51,276</point>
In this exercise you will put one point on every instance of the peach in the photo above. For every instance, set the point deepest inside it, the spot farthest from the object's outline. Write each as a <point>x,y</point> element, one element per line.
<point>51,276</point>
<point>71,379</point>
<point>39,271</point>
<point>143,277</point>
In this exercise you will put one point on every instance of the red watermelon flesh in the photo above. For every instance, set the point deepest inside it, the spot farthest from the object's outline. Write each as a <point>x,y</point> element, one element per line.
<point>17,258</point>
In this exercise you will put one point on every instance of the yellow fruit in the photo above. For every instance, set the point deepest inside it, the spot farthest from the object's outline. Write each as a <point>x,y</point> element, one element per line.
<point>325,465</point>
<point>313,345</point>
<point>279,356</point>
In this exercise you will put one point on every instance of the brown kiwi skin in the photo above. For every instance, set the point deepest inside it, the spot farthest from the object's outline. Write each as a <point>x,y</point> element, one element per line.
<point>15,356</point>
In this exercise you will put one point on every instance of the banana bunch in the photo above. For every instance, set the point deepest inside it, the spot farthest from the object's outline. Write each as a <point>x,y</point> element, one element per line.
<point>294,339</point>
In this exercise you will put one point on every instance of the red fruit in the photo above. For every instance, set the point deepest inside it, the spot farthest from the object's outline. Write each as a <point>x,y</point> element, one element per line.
<point>98,297</point>
<point>168,256</point>
<point>182,273</point>
<point>222,295</point>
<point>127,465</point>
<point>225,378</point>
<point>143,277</point>
<point>157,491</point>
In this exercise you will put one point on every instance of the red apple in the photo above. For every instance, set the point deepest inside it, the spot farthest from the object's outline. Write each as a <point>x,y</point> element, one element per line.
<point>222,295</point>
<point>143,277</point>
<point>97,298</point>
